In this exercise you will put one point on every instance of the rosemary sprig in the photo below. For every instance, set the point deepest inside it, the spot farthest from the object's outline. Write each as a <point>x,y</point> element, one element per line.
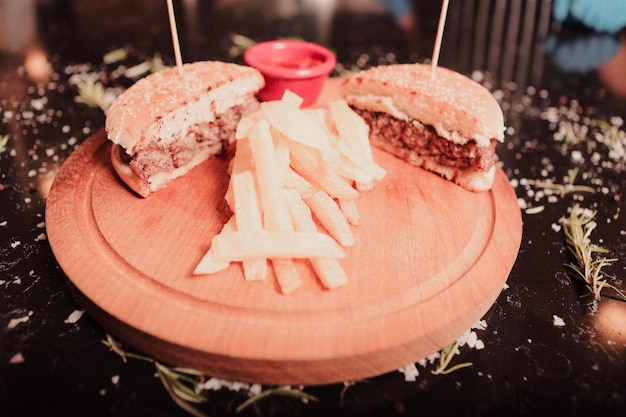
<point>286,392</point>
<point>94,94</point>
<point>445,357</point>
<point>578,134</point>
<point>567,188</point>
<point>587,266</point>
<point>4,139</point>
<point>353,69</point>
<point>115,55</point>
<point>240,44</point>
<point>153,65</point>
<point>612,132</point>
<point>180,383</point>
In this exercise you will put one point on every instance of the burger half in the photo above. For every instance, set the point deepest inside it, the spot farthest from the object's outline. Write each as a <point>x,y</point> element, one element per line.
<point>171,121</point>
<point>448,124</point>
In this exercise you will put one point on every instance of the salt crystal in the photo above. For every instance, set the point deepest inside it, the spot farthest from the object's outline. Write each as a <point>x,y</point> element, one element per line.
<point>557,321</point>
<point>522,203</point>
<point>478,76</point>
<point>14,322</point>
<point>577,156</point>
<point>469,339</point>
<point>410,372</point>
<point>17,358</point>
<point>36,104</point>
<point>216,384</point>
<point>74,317</point>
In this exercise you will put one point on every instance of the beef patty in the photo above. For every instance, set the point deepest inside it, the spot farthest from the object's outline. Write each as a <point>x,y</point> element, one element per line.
<point>424,140</point>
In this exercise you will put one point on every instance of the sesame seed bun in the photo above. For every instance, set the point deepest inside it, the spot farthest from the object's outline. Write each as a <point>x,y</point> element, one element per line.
<point>163,109</point>
<point>447,113</point>
<point>455,105</point>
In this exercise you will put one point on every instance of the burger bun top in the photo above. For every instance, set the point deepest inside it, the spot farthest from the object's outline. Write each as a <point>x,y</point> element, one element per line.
<point>159,105</point>
<point>457,107</point>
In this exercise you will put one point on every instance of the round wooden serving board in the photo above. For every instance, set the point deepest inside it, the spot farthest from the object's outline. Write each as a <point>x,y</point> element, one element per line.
<point>429,261</point>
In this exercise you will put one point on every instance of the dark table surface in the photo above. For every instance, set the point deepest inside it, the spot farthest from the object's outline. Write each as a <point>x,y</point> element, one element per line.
<point>547,351</point>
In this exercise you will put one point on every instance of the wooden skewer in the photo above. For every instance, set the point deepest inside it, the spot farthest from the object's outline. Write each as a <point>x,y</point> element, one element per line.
<point>179,61</point>
<point>437,49</point>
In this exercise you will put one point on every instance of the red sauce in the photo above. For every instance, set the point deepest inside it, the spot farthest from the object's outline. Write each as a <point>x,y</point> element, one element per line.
<point>295,63</point>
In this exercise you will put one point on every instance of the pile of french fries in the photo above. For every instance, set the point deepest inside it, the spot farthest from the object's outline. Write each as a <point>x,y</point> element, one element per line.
<point>295,179</point>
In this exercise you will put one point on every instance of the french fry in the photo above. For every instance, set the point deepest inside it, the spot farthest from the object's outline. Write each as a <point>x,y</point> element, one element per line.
<point>287,275</point>
<point>248,217</point>
<point>319,167</point>
<point>331,217</point>
<point>271,164</point>
<point>283,160</point>
<point>329,271</point>
<point>294,182</point>
<point>354,173</point>
<point>317,115</point>
<point>275,212</point>
<point>241,245</point>
<point>331,160</point>
<point>369,166</point>
<point>292,98</point>
<point>245,204</point>
<point>334,185</point>
<point>300,212</point>
<point>350,127</point>
<point>209,264</point>
<point>290,120</point>
<point>297,182</point>
<point>350,211</point>
<point>305,158</point>
<point>323,207</point>
<point>246,123</point>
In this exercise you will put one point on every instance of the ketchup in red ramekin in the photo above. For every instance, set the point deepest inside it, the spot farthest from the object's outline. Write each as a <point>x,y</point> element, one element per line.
<point>299,66</point>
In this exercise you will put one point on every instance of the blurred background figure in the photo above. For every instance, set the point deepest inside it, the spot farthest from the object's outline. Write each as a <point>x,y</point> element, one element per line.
<point>599,46</point>
<point>402,13</point>
<point>600,15</point>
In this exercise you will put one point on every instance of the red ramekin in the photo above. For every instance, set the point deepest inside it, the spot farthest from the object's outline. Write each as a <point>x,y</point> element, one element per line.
<point>302,67</point>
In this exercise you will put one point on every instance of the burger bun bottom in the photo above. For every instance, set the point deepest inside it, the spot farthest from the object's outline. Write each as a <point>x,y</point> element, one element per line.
<point>470,180</point>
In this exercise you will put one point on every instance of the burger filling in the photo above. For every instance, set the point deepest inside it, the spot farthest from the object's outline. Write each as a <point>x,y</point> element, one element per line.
<point>424,140</point>
<point>157,158</point>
